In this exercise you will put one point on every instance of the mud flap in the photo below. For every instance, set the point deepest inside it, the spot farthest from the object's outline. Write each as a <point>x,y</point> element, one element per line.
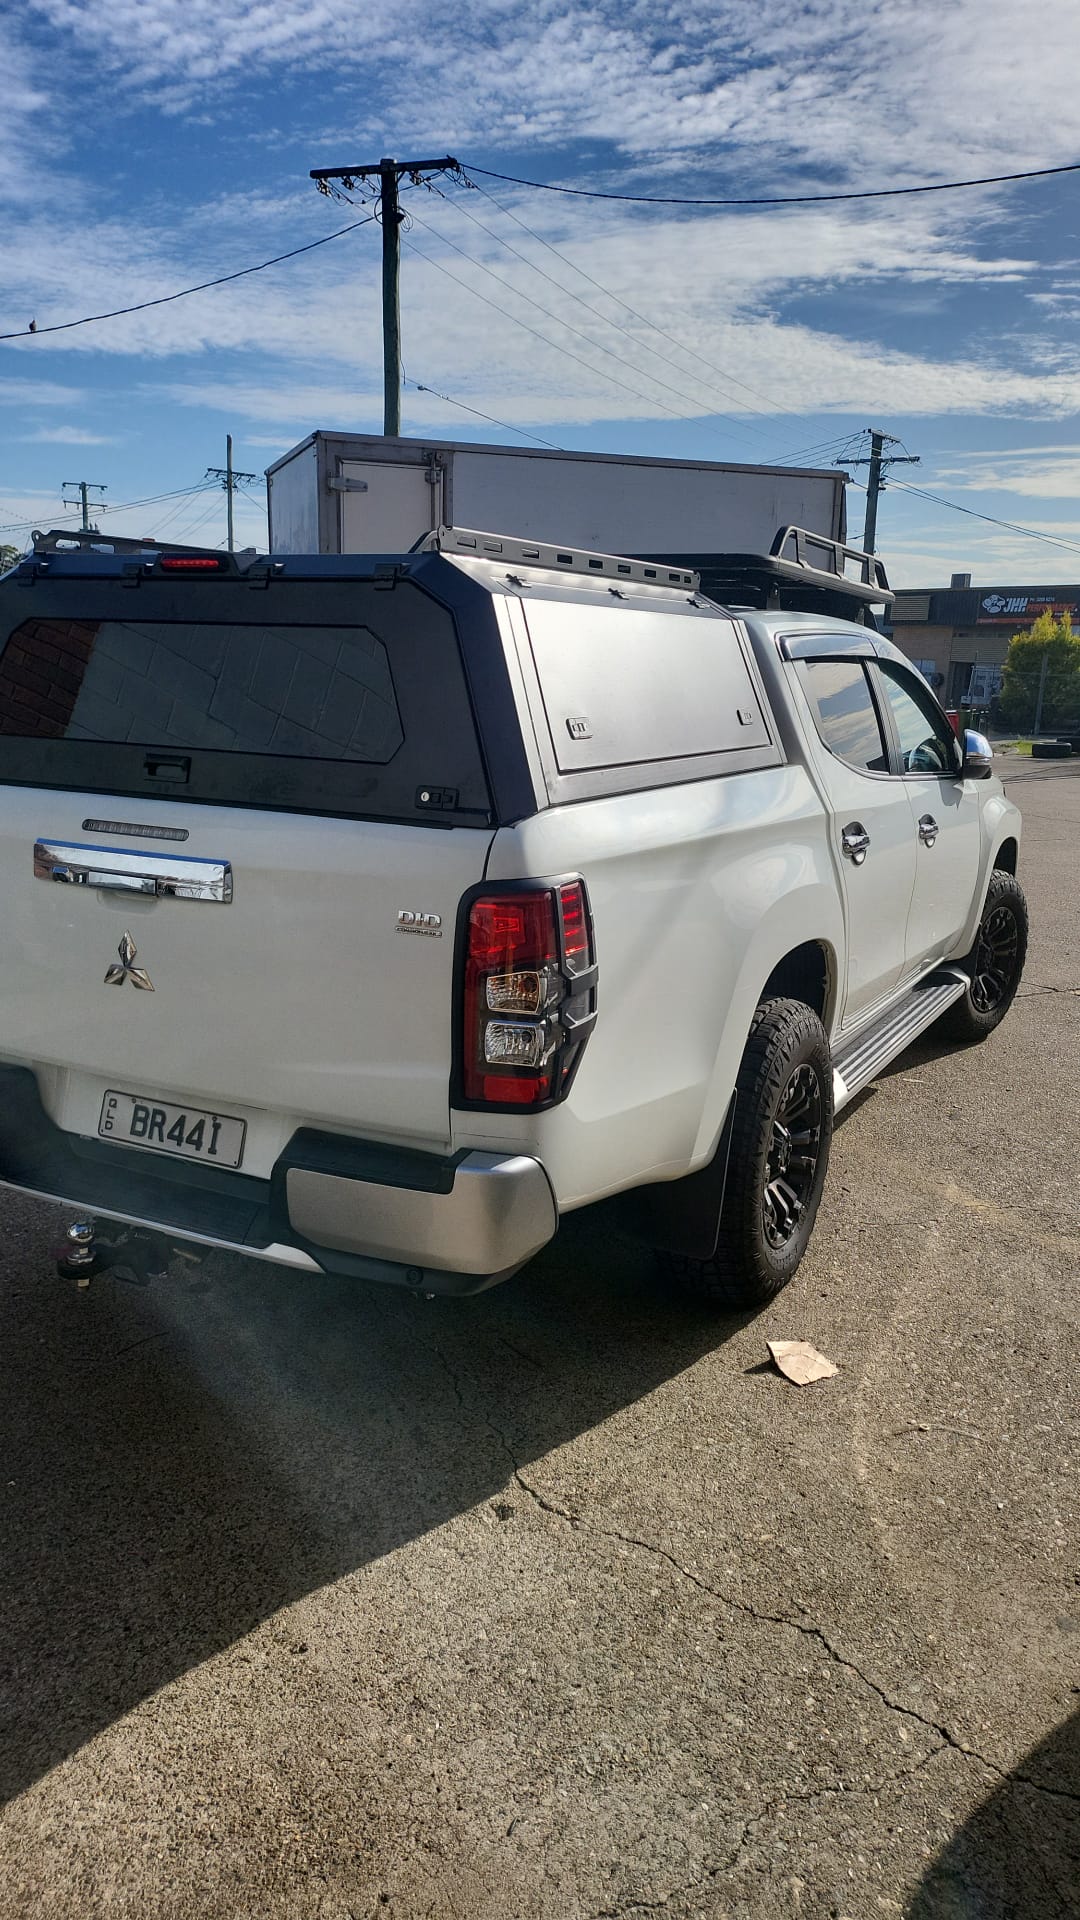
<point>682,1216</point>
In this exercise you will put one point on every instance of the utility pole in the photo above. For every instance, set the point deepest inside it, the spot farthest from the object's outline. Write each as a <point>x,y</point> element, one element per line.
<point>878,462</point>
<point>230,480</point>
<point>388,212</point>
<point>83,488</point>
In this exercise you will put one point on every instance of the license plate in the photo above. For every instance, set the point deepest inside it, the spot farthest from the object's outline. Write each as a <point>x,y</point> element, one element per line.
<point>136,1121</point>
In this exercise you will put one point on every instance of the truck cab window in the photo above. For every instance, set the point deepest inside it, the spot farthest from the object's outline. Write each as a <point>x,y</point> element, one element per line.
<point>844,710</point>
<point>927,742</point>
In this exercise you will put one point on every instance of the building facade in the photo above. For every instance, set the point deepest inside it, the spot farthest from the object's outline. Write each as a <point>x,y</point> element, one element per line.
<point>959,635</point>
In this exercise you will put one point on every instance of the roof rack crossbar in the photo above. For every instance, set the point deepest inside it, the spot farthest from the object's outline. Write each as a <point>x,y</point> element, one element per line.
<point>501,547</point>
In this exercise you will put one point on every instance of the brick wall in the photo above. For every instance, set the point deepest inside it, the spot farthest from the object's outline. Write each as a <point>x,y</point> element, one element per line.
<point>41,675</point>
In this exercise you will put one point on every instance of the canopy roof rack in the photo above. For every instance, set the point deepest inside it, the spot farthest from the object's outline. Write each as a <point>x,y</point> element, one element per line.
<point>567,558</point>
<point>802,572</point>
<point>63,540</point>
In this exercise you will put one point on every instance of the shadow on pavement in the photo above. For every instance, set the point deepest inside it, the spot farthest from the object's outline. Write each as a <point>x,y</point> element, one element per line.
<point>175,1465</point>
<point>1018,1857</point>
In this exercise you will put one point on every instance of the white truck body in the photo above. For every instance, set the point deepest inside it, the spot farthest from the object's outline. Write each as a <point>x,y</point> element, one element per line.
<point>363,493</point>
<point>251,821</point>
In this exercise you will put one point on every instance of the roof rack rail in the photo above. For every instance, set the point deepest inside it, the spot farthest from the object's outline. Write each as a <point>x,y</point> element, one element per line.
<point>475,545</point>
<point>86,540</point>
<point>873,581</point>
<point>802,572</point>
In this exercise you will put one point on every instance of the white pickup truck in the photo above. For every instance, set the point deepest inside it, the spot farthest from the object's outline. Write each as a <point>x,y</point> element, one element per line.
<point>368,915</point>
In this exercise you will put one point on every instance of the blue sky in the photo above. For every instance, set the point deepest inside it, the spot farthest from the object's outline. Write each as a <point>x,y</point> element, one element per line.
<point>149,144</point>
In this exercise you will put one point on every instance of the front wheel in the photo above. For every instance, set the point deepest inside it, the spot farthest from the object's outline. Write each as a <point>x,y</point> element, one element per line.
<point>780,1139</point>
<point>994,965</point>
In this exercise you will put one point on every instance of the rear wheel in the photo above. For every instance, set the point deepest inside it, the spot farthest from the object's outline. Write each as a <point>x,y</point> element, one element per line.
<point>994,965</point>
<point>780,1141</point>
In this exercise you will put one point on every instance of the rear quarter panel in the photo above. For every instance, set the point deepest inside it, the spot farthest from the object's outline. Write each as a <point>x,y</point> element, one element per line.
<point>696,892</point>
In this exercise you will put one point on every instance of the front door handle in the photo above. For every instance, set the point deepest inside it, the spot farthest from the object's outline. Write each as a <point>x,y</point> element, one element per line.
<point>855,840</point>
<point>928,829</point>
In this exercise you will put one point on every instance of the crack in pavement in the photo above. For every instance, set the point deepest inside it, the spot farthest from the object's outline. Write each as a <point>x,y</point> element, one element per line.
<point>807,1629</point>
<point>795,1797</point>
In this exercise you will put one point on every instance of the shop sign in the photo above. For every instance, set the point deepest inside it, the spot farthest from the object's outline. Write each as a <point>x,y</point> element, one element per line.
<point>1023,607</point>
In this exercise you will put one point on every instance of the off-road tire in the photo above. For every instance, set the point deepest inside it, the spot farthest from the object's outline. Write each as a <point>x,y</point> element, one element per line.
<point>748,1268</point>
<point>999,952</point>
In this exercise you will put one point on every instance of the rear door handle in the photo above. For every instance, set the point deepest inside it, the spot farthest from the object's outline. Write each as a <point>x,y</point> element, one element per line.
<point>166,876</point>
<point>855,840</point>
<point>174,768</point>
<point>928,829</point>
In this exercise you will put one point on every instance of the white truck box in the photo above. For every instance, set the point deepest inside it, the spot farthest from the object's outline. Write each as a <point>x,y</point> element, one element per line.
<point>363,493</point>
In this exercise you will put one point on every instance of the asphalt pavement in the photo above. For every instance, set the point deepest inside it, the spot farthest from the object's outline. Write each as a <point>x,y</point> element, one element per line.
<point>321,1603</point>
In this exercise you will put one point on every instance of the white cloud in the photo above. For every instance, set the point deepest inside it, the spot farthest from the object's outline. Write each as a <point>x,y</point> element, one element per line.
<point>926,558</point>
<point>746,77</point>
<point>716,286</point>
<point>71,437</point>
<point>37,393</point>
<point>1045,473</point>
<point>846,87</point>
<point>711,96</point>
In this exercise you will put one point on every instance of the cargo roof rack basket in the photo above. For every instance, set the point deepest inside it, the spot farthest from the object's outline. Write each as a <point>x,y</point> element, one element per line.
<point>802,572</point>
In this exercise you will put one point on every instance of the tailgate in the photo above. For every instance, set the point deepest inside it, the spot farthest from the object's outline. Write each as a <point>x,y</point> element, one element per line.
<point>301,962</point>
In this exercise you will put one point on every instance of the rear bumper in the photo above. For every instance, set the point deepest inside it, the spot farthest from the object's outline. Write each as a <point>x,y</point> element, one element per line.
<point>450,1224</point>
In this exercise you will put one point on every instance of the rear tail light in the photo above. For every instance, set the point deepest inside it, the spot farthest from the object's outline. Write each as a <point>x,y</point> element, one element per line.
<point>193,563</point>
<point>529,994</point>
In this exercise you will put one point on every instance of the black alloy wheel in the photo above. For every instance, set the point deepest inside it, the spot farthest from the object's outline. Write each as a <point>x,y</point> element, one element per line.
<point>793,1155</point>
<point>994,973</point>
<point>781,1129</point>
<point>995,964</point>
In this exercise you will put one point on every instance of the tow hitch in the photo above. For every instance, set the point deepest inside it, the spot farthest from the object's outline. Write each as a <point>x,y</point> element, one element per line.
<point>134,1254</point>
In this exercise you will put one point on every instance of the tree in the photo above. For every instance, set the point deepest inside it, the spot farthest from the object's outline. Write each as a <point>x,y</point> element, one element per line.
<point>1053,641</point>
<point>8,556</point>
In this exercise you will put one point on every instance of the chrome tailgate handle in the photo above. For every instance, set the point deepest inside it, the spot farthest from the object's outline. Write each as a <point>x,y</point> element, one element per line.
<point>168,876</point>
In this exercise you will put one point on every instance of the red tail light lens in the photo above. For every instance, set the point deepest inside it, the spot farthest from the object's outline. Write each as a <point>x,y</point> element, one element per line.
<point>575,927</point>
<point>510,929</point>
<point>193,563</point>
<point>529,995</point>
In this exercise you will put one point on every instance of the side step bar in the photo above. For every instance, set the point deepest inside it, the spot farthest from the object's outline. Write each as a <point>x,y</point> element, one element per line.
<point>857,1062</point>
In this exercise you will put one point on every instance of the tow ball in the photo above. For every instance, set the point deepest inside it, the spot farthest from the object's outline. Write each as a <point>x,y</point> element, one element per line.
<point>133,1254</point>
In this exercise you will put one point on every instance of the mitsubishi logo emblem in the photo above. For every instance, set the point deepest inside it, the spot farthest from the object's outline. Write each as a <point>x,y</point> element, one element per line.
<point>127,970</point>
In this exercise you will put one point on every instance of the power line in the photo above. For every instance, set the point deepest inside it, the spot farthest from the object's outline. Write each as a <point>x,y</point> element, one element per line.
<point>600,372</point>
<point>775,200</point>
<point>559,321</point>
<point>183,507</point>
<point>819,449</point>
<point>1011,526</point>
<point>490,417</point>
<point>115,313</point>
<point>604,318</point>
<point>119,506</point>
<point>189,531</point>
<point>627,308</point>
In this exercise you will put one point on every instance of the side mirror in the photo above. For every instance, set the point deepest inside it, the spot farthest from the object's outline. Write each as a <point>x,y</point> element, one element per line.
<point>978,756</point>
